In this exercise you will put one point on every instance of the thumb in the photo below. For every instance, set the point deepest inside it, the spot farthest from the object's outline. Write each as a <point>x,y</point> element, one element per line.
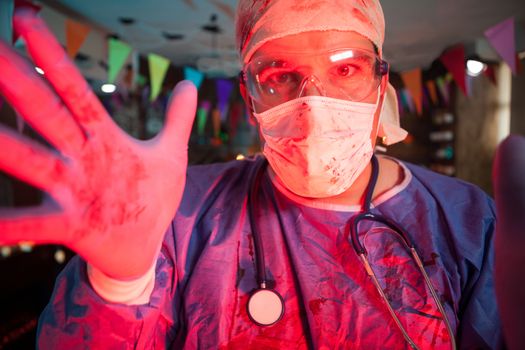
<point>509,188</point>
<point>179,116</point>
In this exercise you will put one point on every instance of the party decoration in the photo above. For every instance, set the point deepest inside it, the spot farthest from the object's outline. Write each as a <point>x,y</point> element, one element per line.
<point>454,61</point>
<point>76,34</point>
<point>431,87</point>
<point>407,100</point>
<point>158,67</point>
<point>412,80</point>
<point>224,89</point>
<point>118,53</point>
<point>443,89</point>
<point>202,116</point>
<point>502,38</point>
<point>216,123</point>
<point>194,75</point>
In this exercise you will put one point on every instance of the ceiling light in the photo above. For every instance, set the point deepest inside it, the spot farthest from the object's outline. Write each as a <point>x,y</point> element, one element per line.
<point>475,68</point>
<point>39,70</point>
<point>108,88</point>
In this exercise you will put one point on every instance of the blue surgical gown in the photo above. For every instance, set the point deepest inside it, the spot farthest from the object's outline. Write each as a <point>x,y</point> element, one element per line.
<point>206,271</point>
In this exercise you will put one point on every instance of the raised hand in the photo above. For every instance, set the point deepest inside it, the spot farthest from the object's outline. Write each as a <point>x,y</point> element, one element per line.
<point>111,197</point>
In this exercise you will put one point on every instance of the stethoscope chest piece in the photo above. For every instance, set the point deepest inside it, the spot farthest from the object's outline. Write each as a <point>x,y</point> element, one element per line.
<point>265,307</point>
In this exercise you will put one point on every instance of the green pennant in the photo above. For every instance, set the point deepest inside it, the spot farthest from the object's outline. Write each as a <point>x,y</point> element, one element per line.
<point>118,53</point>
<point>158,66</point>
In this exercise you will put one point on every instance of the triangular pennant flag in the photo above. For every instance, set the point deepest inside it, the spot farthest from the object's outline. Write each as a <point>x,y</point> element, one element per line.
<point>412,80</point>
<point>216,122</point>
<point>158,66</point>
<point>224,89</point>
<point>76,34</point>
<point>431,86</point>
<point>502,38</point>
<point>454,61</point>
<point>118,53</point>
<point>443,90</point>
<point>490,73</point>
<point>202,116</point>
<point>407,100</point>
<point>194,76</point>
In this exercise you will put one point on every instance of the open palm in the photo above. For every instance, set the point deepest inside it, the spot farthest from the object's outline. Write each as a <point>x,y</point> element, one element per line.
<point>111,197</point>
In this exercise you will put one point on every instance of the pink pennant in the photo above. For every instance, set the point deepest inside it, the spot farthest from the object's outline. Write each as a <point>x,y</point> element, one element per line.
<point>502,38</point>
<point>454,61</point>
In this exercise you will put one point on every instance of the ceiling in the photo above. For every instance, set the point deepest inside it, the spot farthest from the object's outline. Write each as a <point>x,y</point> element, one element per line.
<point>417,30</point>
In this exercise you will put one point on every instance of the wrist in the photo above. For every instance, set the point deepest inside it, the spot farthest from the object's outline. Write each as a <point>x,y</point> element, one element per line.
<point>130,292</point>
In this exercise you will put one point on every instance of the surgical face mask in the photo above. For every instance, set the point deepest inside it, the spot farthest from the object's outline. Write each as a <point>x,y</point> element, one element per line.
<point>318,145</point>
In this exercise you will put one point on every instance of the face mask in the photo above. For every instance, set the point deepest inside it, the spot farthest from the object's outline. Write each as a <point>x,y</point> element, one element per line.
<point>318,145</point>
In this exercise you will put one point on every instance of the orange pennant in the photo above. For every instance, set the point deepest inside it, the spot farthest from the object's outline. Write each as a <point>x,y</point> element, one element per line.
<point>431,86</point>
<point>76,34</point>
<point>412,80</point>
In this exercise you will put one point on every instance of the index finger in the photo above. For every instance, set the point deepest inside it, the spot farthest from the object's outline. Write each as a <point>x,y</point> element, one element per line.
<point>67,81</point>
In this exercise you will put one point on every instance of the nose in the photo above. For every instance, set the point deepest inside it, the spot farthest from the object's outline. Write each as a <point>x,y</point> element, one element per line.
<point>311,86</point>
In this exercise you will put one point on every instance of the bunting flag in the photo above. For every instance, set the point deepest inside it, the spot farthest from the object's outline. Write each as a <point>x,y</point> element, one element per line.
<point>76,34</point>
<point>194,76</point>
<point>140,80</point>
<point>158,67</point>
<point>224,89</point>
<point>202,116</point>
<point>407,101</point>
<point>118,53</point>
<point>454,61</point>
<point>431,87</point>
<point>216,123</point>
<point>235,117</point>
<point>443,90</point>
<point>502,38</point>
<point>412,80</point>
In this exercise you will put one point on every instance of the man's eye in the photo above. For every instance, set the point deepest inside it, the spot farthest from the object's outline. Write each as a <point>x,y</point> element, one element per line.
<point>281,78</point>
<point>345,70</point>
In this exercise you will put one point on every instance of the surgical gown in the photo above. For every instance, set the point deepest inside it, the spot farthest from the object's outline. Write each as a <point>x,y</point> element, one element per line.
<point>206,271</point>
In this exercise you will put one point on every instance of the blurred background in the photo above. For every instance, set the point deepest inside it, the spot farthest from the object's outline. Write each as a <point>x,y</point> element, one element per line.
<point>457,67</point>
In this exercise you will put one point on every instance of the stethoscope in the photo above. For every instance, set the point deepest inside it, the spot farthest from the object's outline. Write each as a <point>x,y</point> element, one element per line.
<point>266,306</point>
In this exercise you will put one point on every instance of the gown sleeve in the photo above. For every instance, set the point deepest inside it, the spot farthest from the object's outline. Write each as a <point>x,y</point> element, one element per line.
<point>480,325</point>
<point>78,318</point>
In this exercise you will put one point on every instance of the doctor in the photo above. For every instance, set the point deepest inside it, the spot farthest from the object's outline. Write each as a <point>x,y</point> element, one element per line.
<point>245,255</point>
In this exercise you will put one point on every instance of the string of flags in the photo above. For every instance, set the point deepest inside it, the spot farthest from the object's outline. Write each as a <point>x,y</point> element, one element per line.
<point>416,95</point>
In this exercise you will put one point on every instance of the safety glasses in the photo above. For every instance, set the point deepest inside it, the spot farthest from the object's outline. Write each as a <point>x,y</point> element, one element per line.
<point>349,74</point>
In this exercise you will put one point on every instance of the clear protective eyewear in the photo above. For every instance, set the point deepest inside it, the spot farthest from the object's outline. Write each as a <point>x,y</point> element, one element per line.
<point>347,74</point>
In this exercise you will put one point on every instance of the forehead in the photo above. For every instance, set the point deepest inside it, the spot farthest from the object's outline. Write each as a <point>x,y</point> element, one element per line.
<point>314,42</point>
